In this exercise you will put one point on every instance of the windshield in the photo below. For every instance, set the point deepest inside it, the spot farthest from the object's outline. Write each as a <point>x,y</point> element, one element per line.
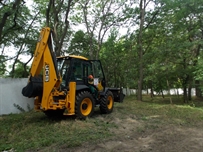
<point>60,63</point>
<point>63,67</point>
<point>97,69</point>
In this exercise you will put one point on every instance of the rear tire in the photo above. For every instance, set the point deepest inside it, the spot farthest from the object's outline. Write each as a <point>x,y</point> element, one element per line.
<point>107,103</point>
<point>84,105</point>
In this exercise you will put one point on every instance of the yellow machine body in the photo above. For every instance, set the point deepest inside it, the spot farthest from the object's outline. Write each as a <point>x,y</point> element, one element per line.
<point>55,92</point>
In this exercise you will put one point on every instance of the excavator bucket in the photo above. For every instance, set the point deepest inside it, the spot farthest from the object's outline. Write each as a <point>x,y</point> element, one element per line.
<point>34,87</point>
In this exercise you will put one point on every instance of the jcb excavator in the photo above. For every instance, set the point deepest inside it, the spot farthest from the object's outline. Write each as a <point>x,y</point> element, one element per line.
<point>60,84</point>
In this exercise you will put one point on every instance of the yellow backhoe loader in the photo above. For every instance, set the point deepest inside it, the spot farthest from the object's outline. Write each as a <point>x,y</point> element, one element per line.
<point>60,85</point>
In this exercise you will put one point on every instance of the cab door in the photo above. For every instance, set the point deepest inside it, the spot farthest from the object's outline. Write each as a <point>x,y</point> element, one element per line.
<point>98,74</point>
<point>82,69</point>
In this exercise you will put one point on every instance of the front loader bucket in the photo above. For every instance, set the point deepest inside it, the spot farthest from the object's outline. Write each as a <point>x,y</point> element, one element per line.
<point>34,87</point>
<point>117,94</point>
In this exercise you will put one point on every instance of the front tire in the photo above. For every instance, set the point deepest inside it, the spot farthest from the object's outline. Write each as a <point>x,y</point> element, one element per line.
<point>107,103</point>
<point>84,105</point>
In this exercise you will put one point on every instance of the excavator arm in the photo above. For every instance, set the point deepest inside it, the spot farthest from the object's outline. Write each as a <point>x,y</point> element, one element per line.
<point>44,75</point>
<point>44,48</point>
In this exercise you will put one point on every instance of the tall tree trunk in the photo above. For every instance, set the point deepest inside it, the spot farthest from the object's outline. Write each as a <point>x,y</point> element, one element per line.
<point>169,93</point>
<point>140,49</point>
<point>151,89</point>
<point>147,90</point>
<point>168,86</point>
<point>189,93</point>
<point>198,91</point>
<point>152,92</point>
<point>140,81</point>
<point>185,95</point>
<point>177,93</point>
<point>162,93</point>
<point>185,100</point>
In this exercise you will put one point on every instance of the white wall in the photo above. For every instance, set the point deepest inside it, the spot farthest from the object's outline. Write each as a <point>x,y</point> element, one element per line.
<point>178,91</point>
<point>10,94</point>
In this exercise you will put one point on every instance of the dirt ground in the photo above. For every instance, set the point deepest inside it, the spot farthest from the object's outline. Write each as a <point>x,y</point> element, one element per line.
<point>131,136</point>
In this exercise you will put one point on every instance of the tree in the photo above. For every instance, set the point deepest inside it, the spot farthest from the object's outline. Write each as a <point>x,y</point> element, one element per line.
<point>57,17</point>
<point>117,60</point>
<point>15,30</point>
<point>99,17</point>
<point>184,20</point>
<point>79,44</point>
<point>10,11</point>
<point>20,72</point>
<point>138,13</point>
<point>23,43</point>
<point>199,76</point>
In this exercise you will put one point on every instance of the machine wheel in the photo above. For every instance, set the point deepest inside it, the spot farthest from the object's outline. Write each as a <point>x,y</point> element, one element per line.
<point>54,113</point>
<point>84,105</point>
<point>107,103</point>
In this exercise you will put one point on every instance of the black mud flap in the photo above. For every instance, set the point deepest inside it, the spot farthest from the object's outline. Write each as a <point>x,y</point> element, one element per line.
<point>34,87</point>
<point>118,94</point>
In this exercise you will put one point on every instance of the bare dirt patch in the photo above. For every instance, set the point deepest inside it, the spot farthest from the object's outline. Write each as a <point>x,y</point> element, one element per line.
<point>133,136</point>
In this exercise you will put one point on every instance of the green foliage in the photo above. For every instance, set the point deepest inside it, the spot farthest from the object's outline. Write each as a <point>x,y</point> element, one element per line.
<point>114,55</point>
<point>20,72</point>
<point>15,23</point>
<point>172,44</point>
<point>2,65</point>
<point>22,109</point>
<point>199,69</point>
<point>19,32</point>
<point>79,45</point>
<point>198,73</point>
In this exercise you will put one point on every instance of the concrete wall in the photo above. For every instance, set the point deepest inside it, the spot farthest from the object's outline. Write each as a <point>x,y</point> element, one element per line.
<point>10,94</point>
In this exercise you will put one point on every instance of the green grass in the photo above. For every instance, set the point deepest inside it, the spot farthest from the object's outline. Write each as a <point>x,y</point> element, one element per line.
<point>33,130</point>
<point>161,108</point>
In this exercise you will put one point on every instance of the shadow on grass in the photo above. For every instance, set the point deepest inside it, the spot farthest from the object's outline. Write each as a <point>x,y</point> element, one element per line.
<point>40,117</point>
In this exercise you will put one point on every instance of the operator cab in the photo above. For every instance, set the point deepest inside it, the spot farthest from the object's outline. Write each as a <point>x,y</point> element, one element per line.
<point>77,69</point>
